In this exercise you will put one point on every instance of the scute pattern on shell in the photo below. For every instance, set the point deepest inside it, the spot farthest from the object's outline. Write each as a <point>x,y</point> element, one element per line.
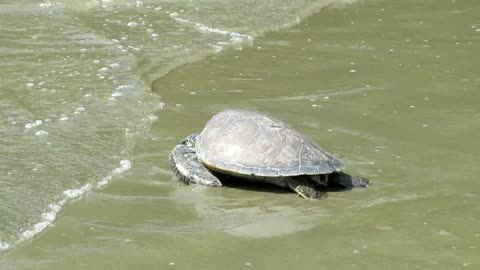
<point>252,144</point>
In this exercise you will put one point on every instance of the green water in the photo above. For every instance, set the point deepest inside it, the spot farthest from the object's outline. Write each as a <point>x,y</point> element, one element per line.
<point>390,87</point>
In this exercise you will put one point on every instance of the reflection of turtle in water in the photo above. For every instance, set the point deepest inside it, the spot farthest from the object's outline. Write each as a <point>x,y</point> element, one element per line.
<point>255,147</point>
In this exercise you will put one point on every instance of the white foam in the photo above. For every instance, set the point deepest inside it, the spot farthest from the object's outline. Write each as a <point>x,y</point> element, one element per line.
<point>34,124</point>
<point>125,86</point>
<point>79,110</point>
<point>41,133</point>
<point>47,219</point>
<point>115,65</point>
<point>125,165</point>
<point>234,37</point>
<point>103,70</point>
<point>132,24</point>
<point>75,193</point>
<point>4,245</point>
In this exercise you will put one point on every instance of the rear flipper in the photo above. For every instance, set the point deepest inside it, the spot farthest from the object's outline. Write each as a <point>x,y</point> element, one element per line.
<point>305,188</point>
<point>188,168</point>
<point>348,181</point>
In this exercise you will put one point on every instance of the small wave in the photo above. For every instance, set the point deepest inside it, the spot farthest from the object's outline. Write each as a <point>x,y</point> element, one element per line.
<point>125,165</point>
<point>326,94</point>
<point>384,200</point>
<point>54,208</point>
<point>234,37</point>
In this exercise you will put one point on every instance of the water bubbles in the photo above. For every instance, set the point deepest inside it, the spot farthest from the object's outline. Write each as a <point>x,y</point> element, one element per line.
<point>132,24</point>
<point>134,48</point>
<point>114,65</point>
<point>79,110</point>
<point>34,124</point>
<point>30,84</point>
<point>74,193</point>
<point>103,70</point>
<point>353,71</point>
<point>41,133</point>
<point>152,117</point>
<point>4,245</point>
<point>63,118</point>
<point>445,233</point>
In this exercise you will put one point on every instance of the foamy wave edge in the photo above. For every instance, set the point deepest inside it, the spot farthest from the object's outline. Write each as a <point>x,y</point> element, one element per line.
<point>234,37</point>
<point>55,208</point>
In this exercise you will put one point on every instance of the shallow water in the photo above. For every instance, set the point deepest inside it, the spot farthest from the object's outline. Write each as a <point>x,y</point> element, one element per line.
<point>390,89</point>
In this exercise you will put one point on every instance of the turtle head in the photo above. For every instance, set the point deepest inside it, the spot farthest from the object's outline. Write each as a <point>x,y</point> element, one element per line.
<point>190,140</point>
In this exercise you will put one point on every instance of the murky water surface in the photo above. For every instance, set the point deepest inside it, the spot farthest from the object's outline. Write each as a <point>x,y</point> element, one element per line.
<point>95,95</point>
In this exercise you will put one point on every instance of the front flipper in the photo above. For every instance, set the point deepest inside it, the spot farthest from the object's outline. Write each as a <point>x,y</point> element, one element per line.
<point>188,168</point>
<point>305,188</point>
<point>349,181</point>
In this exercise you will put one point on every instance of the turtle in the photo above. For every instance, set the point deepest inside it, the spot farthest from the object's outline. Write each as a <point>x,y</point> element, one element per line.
<point>255,147</point>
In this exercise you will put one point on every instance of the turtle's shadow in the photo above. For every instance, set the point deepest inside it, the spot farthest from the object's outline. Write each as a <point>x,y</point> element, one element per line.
<point>241,183</point>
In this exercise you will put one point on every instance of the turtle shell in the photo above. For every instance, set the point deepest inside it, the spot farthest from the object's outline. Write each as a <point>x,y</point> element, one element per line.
<point>251,144</point>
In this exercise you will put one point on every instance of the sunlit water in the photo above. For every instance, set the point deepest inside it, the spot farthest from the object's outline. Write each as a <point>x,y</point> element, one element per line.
<point>91,105</point>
